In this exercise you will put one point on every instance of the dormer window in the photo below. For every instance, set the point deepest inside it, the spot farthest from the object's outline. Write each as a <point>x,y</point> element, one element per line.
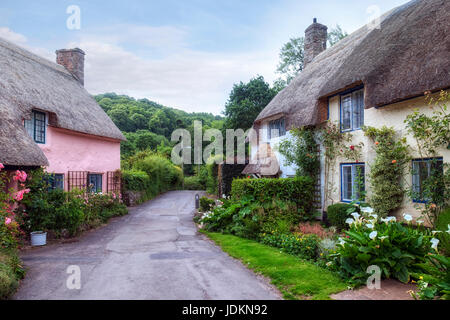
<point>352,110</point>
<point>36,126</point>
<point>277,127</point>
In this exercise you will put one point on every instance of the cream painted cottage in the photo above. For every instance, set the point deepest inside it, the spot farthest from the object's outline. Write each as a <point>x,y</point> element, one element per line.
<point>374,77</point>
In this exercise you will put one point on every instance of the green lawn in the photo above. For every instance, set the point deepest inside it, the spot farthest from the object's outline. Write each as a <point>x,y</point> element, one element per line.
<point>296,279</point>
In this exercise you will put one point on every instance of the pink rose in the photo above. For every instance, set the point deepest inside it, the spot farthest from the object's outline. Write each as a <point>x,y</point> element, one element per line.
<point>8,221</point>
<point>19,194</point>
<point>20,176</point>
<point>2,166</point>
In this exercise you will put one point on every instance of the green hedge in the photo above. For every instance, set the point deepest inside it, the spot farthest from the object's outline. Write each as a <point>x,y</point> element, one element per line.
<point>299,190</point>
<point>193,183</point>
<point>337,214</point>
<point>135,180</point>
<point>163,175</point>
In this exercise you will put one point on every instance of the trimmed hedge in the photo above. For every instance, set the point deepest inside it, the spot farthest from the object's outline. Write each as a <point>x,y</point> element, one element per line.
<point>299,190</point>
<point>135,180</point>
<point>337,214</point>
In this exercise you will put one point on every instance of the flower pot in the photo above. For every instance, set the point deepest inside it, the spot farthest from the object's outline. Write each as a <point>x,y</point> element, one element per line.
<point>38,238</point>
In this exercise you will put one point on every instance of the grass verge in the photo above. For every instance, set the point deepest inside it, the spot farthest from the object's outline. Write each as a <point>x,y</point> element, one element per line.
<point>296,279</point>
<point>11,272</point>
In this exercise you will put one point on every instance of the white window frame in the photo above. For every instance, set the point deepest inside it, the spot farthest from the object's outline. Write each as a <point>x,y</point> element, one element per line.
<point>353,167</point>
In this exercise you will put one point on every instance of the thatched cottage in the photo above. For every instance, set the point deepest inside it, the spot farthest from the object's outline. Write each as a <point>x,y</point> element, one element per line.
<point>49,119</point>
<point>374,77</point>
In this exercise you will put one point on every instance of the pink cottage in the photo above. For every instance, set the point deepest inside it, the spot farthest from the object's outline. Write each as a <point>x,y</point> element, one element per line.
<point>48,119</point>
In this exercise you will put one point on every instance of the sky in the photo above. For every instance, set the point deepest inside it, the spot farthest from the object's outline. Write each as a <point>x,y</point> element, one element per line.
<point>185,54</point>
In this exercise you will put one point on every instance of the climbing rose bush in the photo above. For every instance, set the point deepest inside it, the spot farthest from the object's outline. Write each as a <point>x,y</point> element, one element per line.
<point>10,232</point>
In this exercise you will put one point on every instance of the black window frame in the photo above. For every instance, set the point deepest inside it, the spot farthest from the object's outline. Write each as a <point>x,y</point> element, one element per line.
<point>37,126</point>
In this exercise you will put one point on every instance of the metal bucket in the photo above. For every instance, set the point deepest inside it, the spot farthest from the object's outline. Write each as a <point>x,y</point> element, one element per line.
<point>38,238</point>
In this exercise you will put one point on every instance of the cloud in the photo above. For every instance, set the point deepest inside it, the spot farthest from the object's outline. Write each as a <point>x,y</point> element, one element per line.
<point>157,63</point>
<point>191,80</point>
<point>12,36</point>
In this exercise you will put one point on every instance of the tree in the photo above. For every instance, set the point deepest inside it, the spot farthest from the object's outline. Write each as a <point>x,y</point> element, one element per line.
<point>335,35</point>
<point>292,54</point>
<point>292,58</point>
<point>246,101</point>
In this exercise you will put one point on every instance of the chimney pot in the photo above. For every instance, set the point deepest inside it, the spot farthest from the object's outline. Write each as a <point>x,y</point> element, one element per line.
<point>315,41</point>
<point>73,61</point>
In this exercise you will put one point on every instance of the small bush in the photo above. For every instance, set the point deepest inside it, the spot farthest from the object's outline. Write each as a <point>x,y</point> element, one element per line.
<point>314,228</point>
<point>11,272</point>
<point>338,213</point>
<point>206,204</point>
<point>299,190</point>
<point>442,224</point>
<point>303,246</point>
<point>397,249</point>
<point>193,183</point>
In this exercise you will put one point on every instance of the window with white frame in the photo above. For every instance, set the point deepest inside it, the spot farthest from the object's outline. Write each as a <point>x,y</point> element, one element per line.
<point>276,127</point>
<point>36,126</point>
<point>422,171</point>
<point>352,110</point>
<point>352,181</point>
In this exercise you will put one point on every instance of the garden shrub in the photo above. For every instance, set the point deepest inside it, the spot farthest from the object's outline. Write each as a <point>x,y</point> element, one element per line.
<point>193,183</point>
<point>299,190</point>
<point>211,181</point>
<point>11,272</point>
<point>163,175</point>
<point>229,172</point>
<point>338,213</point>
<point>395,248</point>
<point>135,180</point>
<point>435,283</point>
<point>303,246</point>
<point>313,228</point>
<point>206,204</point>
<point>442,224</point>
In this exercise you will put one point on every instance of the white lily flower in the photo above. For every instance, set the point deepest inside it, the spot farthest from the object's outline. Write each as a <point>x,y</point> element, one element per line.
<point>341,241</point>
<point>373,235</point>
<point>349,221</point>
<point>374,216</point>
<point>383,237</point>
<point>419,222</point>
<point>370,226</point>
<point>407,217</point>
<point>392,219</point>
<point>367,209</point>
<point>434,232</point>
<point>355,215</point>
<point>434,243</point>
<point>448,230</point>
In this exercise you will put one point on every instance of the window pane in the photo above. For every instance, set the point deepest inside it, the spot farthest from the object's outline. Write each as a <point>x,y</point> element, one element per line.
<point>358,181</point>
<point>346,106</point>
<point>29,126</point>
<point>39,127</point>
<point>347,183</point>
<point>416,180</point>
<point>358,109</point>
<point>95,182</point>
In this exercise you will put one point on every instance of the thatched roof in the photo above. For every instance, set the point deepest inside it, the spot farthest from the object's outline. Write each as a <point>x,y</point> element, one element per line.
<point>408,55</point>
<point>28,82</point>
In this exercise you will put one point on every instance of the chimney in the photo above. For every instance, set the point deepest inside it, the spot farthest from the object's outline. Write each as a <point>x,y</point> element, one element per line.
<point>315,41</point>
<point>73,61</point>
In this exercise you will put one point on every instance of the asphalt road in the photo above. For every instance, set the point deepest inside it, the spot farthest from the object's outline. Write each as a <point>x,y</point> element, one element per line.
<point>153,253</point>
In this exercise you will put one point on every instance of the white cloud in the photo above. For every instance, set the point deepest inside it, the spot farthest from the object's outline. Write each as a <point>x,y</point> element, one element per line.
<point>12,36</point>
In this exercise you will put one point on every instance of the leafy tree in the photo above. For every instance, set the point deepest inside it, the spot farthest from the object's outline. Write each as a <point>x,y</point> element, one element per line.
<point>246,101</point>
<point>335,35</point>
<point>292,55</point>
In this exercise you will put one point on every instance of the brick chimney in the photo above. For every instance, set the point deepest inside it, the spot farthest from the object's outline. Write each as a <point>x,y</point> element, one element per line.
<point>73,61</point>
<point>315,41</point>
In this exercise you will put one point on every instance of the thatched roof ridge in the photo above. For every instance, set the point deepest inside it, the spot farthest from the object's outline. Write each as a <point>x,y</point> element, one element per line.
<point>407,56</point>
<point>28,82</point>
